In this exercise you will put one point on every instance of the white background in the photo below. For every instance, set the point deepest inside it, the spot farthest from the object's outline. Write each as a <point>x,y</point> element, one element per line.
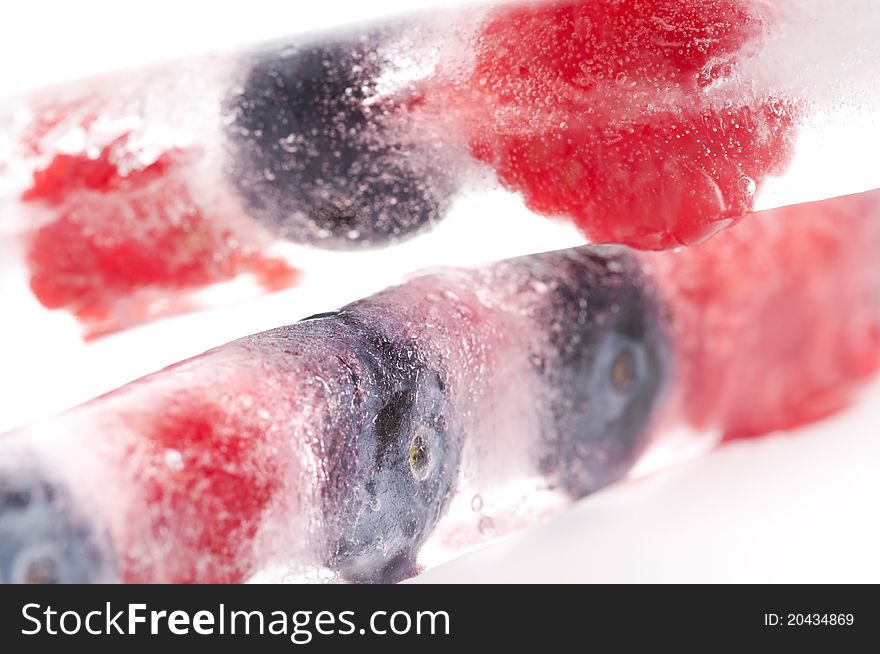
<point>794,507</point>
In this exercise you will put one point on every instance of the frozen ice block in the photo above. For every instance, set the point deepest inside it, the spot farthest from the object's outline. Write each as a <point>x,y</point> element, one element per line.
<point>652,123</point>
<point>365,443</point>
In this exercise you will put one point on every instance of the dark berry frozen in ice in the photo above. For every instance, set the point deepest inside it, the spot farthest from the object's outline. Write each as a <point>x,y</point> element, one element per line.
<point>392,469</point>
<point>609,368</point>
<point>320,156</point>
<point>42,537</point>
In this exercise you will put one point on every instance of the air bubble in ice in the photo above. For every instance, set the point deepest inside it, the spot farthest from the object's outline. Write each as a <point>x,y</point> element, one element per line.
<point>477,503</point>
<point>289,144</point>
<point>539,287</point>
<point>486,526</point>
<point>537,361</point>
<point>614,266</point>
<point>173,460</point>
<point>747,185</point>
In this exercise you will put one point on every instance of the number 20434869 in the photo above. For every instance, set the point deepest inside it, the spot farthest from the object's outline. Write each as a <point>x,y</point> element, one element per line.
<point>809,619</point>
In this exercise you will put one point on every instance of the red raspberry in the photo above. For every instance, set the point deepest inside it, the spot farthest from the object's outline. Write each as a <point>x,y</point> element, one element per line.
<point>812,287</point>
<point>222,482</point>
<point>597,112</point>
<point>121,242</point>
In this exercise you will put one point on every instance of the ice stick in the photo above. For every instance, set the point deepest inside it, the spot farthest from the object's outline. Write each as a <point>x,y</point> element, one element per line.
<point>367,443</point>
<point>652,123</point>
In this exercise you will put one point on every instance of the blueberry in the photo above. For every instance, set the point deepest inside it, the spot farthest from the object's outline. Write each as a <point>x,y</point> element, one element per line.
<point>43,539</point>
<point>392,459</point>
<point>610,363</point>
<point>318,157</point>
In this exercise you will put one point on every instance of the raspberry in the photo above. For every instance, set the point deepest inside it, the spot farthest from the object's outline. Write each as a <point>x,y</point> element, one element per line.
<point>220,482</point>
<point>597,112</point>
<point>819,334</point>
<point>123,239</point>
